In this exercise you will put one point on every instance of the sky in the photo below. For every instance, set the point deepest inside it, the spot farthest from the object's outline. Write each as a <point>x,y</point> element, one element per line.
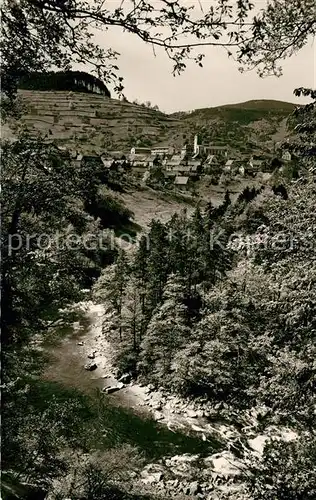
<point>149,78</point>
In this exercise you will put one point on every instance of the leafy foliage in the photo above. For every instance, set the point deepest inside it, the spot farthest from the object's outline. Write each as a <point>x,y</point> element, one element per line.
<point>286,471</point>
<point>39,36</point>
<point>47,235</point>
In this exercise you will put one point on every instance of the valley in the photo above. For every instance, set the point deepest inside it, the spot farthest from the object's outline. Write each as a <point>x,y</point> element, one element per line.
<point>89,123</point>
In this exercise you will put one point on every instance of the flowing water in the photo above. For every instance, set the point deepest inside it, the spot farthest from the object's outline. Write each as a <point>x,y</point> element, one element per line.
<point>120,423</point>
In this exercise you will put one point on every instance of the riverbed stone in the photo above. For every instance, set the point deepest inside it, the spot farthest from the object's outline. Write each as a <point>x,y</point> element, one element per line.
<point>158,416</point>
<point>157,406</point>
<point>125,378</point>
<point>194,488</point>
<point>90,367</point>
<point>192,414</point>
<point>110,390</point>
<point>113,388</point>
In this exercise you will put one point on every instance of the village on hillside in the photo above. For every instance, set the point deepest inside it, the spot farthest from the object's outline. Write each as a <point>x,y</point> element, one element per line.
<point>181,168</point>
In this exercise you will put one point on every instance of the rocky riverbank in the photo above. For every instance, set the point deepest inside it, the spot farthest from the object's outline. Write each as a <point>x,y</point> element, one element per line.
<point>219,475</point>
<point>196,477</point>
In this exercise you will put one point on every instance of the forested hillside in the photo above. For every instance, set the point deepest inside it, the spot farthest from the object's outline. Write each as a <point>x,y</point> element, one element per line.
<point>221,305</point>
<point>205,319</point>
<point>253,125</point>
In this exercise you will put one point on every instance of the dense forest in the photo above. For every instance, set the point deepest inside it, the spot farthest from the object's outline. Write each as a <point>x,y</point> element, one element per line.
<point>222,305</point>
<point>76,81</point>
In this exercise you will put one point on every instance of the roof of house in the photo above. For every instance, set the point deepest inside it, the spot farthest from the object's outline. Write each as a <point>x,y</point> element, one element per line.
<point>229,163</point>
<point>115,154</point>
<point>256,162</point>
<point>142,150</point>
<point>107,162</point>
<point>181,180</point>
<point>211,159</point>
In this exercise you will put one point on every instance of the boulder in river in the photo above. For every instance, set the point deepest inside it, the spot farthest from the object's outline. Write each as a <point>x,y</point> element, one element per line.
<point>90,367</point>
<point>113,388</point>
<point>125,378</point>
<point>194,488</point>
<point>157,406</point>
<point>110,390</point>
<point>192,414</point>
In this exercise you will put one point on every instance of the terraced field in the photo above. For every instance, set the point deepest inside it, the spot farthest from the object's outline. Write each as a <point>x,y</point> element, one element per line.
<point>91,123</point>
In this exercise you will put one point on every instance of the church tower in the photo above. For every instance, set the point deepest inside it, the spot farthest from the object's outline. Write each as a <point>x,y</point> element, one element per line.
<point>196,146</point>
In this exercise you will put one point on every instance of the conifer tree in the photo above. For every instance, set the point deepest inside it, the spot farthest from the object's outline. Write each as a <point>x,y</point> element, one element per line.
<point>140,272</point>
<point>167,331</point>
<point>178,241</point>
<point>157,263</point>
<point>120,279</point>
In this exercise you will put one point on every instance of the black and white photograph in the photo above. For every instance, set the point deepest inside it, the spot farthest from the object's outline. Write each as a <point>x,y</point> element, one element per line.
<point>158,249</point>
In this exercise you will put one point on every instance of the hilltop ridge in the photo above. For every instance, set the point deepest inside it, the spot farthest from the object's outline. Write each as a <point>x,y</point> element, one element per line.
<point>261,104</point>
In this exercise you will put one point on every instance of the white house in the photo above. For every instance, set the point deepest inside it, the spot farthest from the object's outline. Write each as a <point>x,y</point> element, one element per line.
<point>140,151</point>
<point>210,149</point>
<point>181,182</point>
<point>162,150</point>
<point>286,156</point>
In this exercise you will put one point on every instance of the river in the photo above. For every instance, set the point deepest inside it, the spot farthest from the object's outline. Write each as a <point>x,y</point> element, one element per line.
<point>122,421</point>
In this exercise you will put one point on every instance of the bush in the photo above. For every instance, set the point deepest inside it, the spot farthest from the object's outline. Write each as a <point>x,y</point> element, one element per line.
<point>286,472</point>
<point>126,362</point>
